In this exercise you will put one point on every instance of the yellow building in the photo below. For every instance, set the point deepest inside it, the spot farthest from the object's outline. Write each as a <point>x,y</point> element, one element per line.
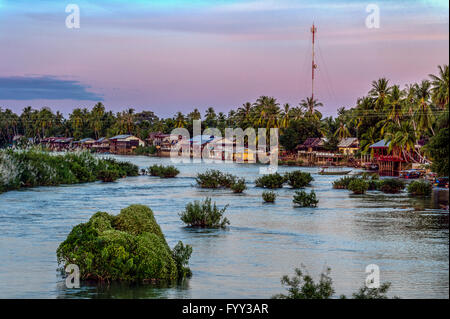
<point>348,146</point>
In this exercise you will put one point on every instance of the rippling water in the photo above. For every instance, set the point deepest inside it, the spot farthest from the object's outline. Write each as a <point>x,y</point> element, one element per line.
<point>407,238</point>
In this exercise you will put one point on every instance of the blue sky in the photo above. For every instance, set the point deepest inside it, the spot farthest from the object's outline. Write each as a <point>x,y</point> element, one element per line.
<point>175,55</point>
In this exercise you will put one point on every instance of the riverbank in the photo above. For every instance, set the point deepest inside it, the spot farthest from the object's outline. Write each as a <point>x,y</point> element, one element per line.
<point>406,237</point>
<point>33,167</point>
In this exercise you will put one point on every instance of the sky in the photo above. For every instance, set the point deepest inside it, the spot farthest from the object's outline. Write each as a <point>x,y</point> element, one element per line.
<point>176,55</point>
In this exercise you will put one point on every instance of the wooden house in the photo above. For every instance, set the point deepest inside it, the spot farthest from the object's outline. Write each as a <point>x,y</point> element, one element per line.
<point>124,144</point>
<point>348,146</point>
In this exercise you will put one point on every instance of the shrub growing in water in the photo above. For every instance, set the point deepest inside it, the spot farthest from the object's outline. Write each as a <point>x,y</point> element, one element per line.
<point>33,167</point>
<point>108,176</point>
<point>215,179</point>
<point>343,182</point>
<point>204,215</point>
<point>303,286</point>
<point>239,186</point>
<point>271,181</point>
<point>358,186</point>
<point>303,199</point>
<point>127,247</point>
<point>420,188</point>
<point>391,185</point>
<point>298,179</point>
<point>163,171</point>
<point>269,197</point>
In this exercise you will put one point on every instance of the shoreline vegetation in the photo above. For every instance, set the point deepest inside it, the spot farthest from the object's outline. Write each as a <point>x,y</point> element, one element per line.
<point>33,167</point>
<point>414,120</point>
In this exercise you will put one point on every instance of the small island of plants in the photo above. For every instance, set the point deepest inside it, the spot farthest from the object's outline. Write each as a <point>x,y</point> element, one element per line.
<point>128,247</point>
<point>163,171</point>
<point>269,197</point>
<point>204,215</point>
<point>303,199</point>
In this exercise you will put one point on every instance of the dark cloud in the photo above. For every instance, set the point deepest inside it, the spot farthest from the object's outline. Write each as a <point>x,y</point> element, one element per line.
<point>44,88</point>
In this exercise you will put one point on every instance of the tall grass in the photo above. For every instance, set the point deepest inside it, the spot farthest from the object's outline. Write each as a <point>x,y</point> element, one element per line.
<point>33,167</point>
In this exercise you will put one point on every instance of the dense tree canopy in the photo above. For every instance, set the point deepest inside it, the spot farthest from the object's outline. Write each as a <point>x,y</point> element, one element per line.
<point>403,116</point>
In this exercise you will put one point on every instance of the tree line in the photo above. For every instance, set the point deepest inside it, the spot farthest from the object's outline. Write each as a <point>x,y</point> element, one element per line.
<point>403,116</point>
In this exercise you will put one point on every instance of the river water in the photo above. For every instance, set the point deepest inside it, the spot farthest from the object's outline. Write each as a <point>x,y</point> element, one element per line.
<point>406,237</point>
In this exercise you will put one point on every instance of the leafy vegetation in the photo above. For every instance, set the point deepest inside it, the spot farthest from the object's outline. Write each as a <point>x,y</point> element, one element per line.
<point>163,171</point>
<point>271,181</point>
<point>34,167</point>
<point>303,286</point>
<point>298,179</point>
<point>215,179</point>
<point>303,199</point>
<point>269,197</point>
<point>204,215</point>
<point>358,186</point>
<point>420,188</point>
<point>127,247</point>
<point>145,150</point>
<point>239,186</point>
<point>391,185</point>
<point>343,182</point>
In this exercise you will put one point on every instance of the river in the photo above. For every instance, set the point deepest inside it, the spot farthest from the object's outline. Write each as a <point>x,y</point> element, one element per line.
<point>406,237</point>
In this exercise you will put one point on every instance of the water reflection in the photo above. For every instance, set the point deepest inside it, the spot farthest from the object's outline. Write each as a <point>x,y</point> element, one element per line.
<point>407,237</point>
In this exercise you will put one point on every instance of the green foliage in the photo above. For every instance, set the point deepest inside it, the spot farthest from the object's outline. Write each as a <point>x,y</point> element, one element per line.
<point>145,150</point>
<point>163,171</point>
<point>204,214</point>
<point>215,179</point>
<point>391,185</point>
<point>303,199</point>
<point>372,293</point>
<point>438,150</point>
<point>420,188</point>
<point>298,179</point>
<point>239,186</point>
<point>126,247</point>
<point>34,167</point>
<point>343,182</point>
<point>269,197</point>
<point>358,186</point>
<point>271,181</point>
<point>303,286</point>
<point>108,176</point>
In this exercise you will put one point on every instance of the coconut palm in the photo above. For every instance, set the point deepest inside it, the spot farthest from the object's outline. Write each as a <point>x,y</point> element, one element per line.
<point>424,114</point>
<point>180,120</point>
<point>310,105</point>
<point>440,87</point>
<point>380,92</point>
<point>342,132</point>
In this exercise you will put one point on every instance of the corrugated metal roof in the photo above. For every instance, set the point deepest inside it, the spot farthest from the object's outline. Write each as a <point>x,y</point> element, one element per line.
<point>119,137</point>
<point>380,144</point>
<point>346,142</point>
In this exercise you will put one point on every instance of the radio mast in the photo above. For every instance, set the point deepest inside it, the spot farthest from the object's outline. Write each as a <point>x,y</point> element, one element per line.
<point>314,65</point>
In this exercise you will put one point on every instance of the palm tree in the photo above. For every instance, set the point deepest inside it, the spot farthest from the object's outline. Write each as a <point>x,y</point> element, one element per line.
<point>440,88</point>
<point>424,114</point>
<point>96,118</point>
<point>410,103</point>
<point>368,138</point>
<point>379,92</point>
<point>395,104</point>
<point>286,115</point>
<point>310,106</point>
<point>403,139</point>
<point>180,120</point>
<point>342,132</point>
